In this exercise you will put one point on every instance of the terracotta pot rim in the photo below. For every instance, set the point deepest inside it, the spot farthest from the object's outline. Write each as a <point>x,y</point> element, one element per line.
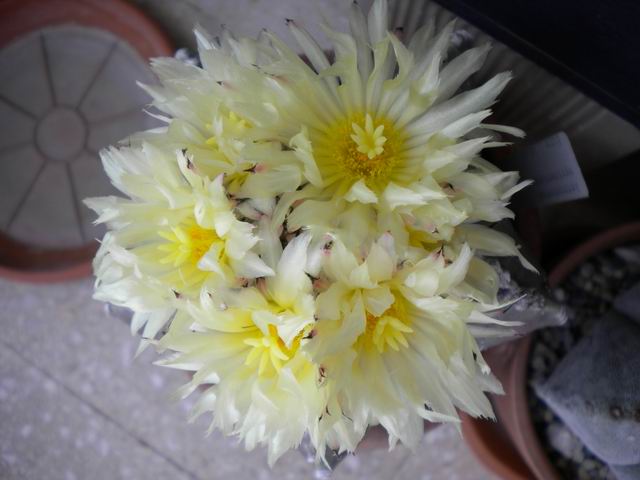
<point>605,240</point>
<point>524,434</point>
<point>474,432</point>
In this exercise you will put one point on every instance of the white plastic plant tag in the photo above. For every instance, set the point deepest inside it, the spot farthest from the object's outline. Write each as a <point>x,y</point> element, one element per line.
<point>553,167</point>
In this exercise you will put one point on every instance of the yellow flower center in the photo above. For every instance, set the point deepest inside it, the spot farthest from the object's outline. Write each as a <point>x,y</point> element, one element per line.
<point>361,147</point>
<point>387,330</point>
<point>270,351</point>
<point>186,244</point>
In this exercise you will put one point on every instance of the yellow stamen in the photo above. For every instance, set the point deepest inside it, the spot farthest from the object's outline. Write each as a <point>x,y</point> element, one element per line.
<point>186,244</point>
<point>270,350</point>
<point>369,141</point>
<point>360,147</point>
<point>388,329</point>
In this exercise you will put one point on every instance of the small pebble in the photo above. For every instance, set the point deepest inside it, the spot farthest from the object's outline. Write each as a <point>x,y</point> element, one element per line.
<point>586,270</point>
<point>560,295</point>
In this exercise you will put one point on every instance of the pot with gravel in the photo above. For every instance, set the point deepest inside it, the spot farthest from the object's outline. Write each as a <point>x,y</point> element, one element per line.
<point>572,398</point>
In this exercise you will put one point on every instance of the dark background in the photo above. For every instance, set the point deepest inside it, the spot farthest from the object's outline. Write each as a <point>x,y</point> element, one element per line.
<point>592,44</point>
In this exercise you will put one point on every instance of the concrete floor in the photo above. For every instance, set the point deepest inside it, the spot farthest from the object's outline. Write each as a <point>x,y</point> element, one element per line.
<point>75,405</point>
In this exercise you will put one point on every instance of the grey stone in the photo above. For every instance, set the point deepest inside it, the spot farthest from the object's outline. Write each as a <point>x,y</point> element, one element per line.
<point>629,472</point>
<point>595,390</point>
<point>630,254</point>
<point>628,303</point>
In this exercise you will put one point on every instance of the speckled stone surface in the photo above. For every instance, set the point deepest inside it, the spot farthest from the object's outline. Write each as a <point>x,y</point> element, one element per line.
<point>74,404</point>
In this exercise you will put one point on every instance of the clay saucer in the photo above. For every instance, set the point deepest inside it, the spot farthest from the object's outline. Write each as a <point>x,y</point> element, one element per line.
<point>68,72</point>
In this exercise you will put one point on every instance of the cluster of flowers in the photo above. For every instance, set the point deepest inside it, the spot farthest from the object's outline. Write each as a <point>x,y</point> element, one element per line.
<point>307,236</point>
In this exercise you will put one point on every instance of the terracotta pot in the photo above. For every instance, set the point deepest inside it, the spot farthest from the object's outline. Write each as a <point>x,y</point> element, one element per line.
<point>510,447</point>
<point>19,261</point>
